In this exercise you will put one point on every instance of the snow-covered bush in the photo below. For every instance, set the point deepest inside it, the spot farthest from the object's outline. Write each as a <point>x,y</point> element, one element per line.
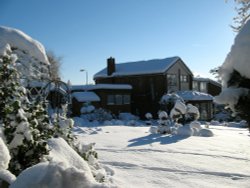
<point>127,116</point>
<point>99,114</point>
<point>62,128</point>
<point>23,138</point>
<point>168,101</point>
<point>149,118</point>
<point>165,123</point>
<point>235,76</point>
<point>192,113</point>
<point>87,108</point>
<point>178,111</point>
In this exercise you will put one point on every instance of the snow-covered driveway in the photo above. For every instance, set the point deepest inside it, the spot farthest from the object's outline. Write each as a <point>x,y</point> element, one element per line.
<point>141,159</point>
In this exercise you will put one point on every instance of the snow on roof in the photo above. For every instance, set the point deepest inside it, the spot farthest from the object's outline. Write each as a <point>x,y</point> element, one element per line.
<point>85,96</point>
<point>194,96</point>
<point>140,67</point>
<point>101,86</point>
<point>200,79</point>
<point>17,39</point>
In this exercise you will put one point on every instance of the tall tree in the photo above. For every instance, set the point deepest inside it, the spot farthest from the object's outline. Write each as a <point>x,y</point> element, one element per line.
<point>55,64</point>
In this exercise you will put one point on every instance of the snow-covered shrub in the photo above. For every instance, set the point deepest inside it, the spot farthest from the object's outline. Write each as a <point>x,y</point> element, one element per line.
<point>235,76</point>
<point>62,128</point>
<point>178,111</point>
<point>86,151</point>
<point>153,129</point>
<point>192,113</point>
<point>127,116</point>
<point>196,125</point>
<point>164,123</point>
<point>149,118</point>
<point>168,101</point>
<point>23,138</point>
<point>87,108</point>
<point>99,114</point>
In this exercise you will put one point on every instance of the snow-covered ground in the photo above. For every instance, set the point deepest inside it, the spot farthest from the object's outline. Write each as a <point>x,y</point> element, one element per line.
<point>141,159</point>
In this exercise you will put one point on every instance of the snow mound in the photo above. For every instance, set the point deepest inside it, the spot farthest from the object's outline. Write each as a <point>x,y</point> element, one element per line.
<point>206,133</point>
<point>56,175</point>
<point>17,39</point>
<point>60,151</point>
<point>196,125</point>
<point>241,124</point>
<point>4,155</point>
<point>185,131</point>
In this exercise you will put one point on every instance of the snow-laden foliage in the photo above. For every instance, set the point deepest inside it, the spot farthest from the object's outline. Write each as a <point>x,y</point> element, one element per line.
<point>168,101</point>
<point>99,115</point>
<point>24,140</point>
<point>62,128</point>
<point>187,115</point>
<point>192,113</point>
<point>235,75</point>
<point>4,155</point>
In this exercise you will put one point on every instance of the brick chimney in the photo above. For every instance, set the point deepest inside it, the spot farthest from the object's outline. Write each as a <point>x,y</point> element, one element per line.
<point>110,66</point>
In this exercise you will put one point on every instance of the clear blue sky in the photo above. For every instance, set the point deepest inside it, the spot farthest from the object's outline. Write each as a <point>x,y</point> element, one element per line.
<point>86,32</point>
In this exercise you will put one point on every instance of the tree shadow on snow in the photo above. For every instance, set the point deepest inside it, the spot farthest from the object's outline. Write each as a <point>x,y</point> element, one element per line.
<point>154,138</point>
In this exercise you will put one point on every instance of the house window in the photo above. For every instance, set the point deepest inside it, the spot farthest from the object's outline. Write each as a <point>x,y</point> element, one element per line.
<point>195,86</point>
<point>111,100</point>
<point>126,99</point>
<point>118,99</point>
<point>172,79</point>
<point>184,78</point>
<point>203,86</point>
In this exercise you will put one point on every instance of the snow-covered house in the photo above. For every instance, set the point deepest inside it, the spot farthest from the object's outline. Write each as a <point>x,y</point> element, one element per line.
<point>206,85</point>
<point>149,80</point>
<point>113,97</point>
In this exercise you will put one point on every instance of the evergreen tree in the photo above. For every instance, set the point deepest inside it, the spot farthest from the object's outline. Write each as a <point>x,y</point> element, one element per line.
<point>21,128</point>
<point>242,107</point>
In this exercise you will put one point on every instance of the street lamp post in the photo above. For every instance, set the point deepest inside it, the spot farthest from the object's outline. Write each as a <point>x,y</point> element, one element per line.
<point>84,70</point>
